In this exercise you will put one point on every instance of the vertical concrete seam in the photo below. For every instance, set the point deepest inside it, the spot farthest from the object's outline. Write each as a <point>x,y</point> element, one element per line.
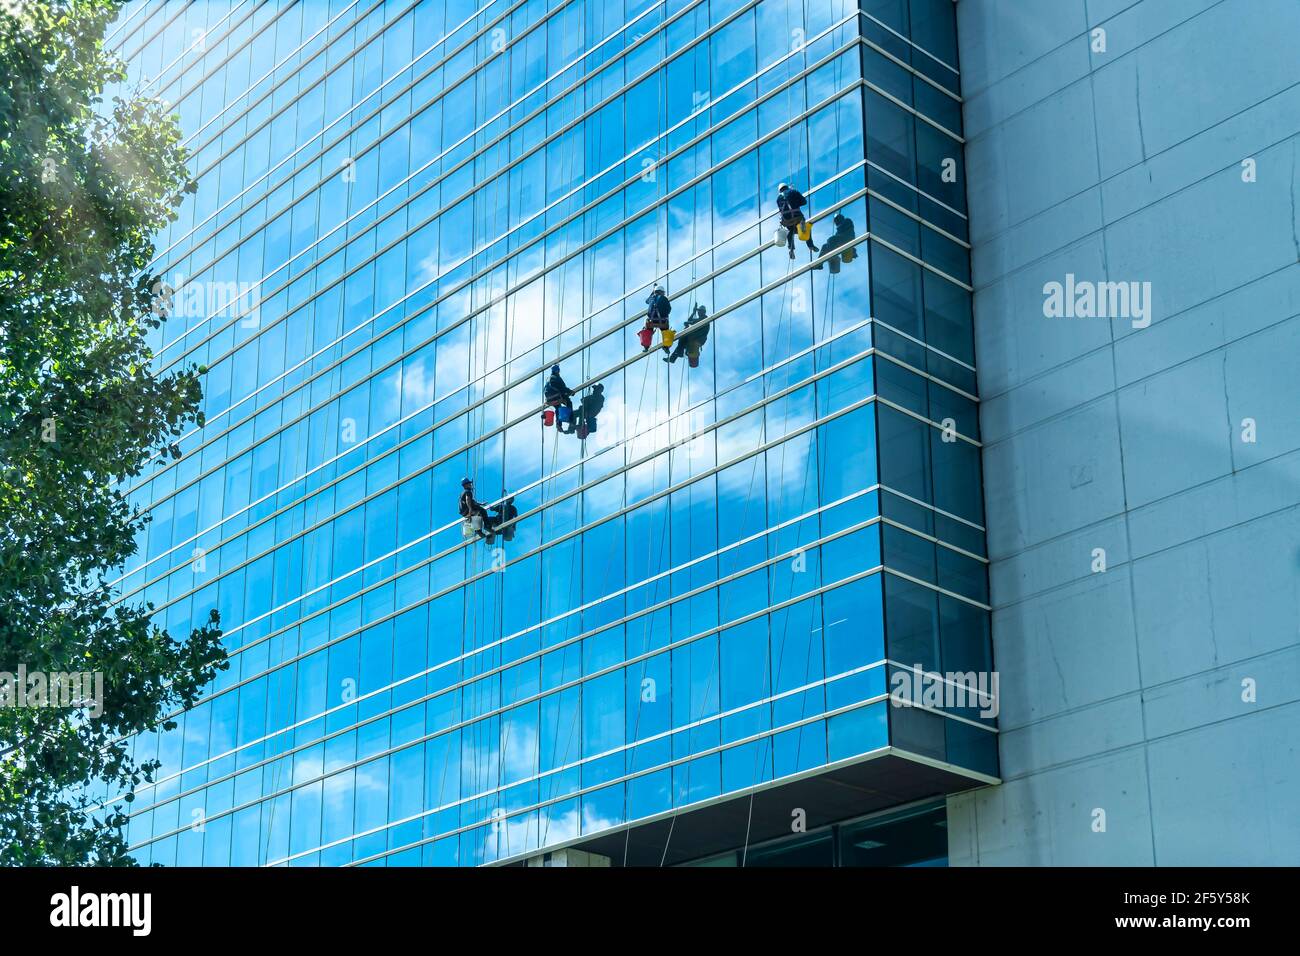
<point>1119,435</point>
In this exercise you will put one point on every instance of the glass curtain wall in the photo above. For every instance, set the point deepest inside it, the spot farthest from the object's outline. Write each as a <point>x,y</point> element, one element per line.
<point>407,214</point>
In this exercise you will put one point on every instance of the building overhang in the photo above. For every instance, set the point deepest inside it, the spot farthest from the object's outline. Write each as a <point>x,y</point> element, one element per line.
<point>884,778</point>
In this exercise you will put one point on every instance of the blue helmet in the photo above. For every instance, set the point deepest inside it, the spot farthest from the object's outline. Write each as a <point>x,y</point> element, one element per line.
<point>555,370</point>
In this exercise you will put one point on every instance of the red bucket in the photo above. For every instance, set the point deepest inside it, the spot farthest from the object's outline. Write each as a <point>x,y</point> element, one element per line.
<point>548,416</point>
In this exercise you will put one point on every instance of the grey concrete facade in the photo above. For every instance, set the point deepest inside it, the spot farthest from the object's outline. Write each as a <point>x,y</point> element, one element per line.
<point>1150,710</point>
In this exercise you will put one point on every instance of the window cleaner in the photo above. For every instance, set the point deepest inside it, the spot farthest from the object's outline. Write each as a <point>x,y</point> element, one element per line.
<point>789,203</point>
<point>559,397</point>
<point>658,309</point>
<point>475,514</point>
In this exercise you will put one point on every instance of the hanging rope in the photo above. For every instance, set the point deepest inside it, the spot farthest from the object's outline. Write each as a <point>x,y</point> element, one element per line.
<point>578,705</point>
<point>749,498</point>
<point>827,327</point>
<point>653,597</point>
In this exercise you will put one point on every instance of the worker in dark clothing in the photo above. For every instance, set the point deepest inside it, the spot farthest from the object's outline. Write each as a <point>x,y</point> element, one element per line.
<point>842,236</point>
<point>559,395</point>
<point>589,408</point>
<point>503,513</point>
<point>789,203</point>
<point>692,338</point>
<point>657,310</point>
<point>658,307</point>
<point>475,515</point>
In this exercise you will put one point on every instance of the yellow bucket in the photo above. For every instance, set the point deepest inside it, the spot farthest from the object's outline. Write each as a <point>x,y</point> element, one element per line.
<point>666,337</point>
<point>805,230</point>
<point>849,254</point>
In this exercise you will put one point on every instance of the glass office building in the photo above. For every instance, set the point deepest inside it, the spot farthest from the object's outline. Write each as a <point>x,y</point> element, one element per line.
<point>685,642</point>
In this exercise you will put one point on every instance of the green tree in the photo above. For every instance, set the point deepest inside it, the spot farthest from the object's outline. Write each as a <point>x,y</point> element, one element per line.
<point>84,186</point>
